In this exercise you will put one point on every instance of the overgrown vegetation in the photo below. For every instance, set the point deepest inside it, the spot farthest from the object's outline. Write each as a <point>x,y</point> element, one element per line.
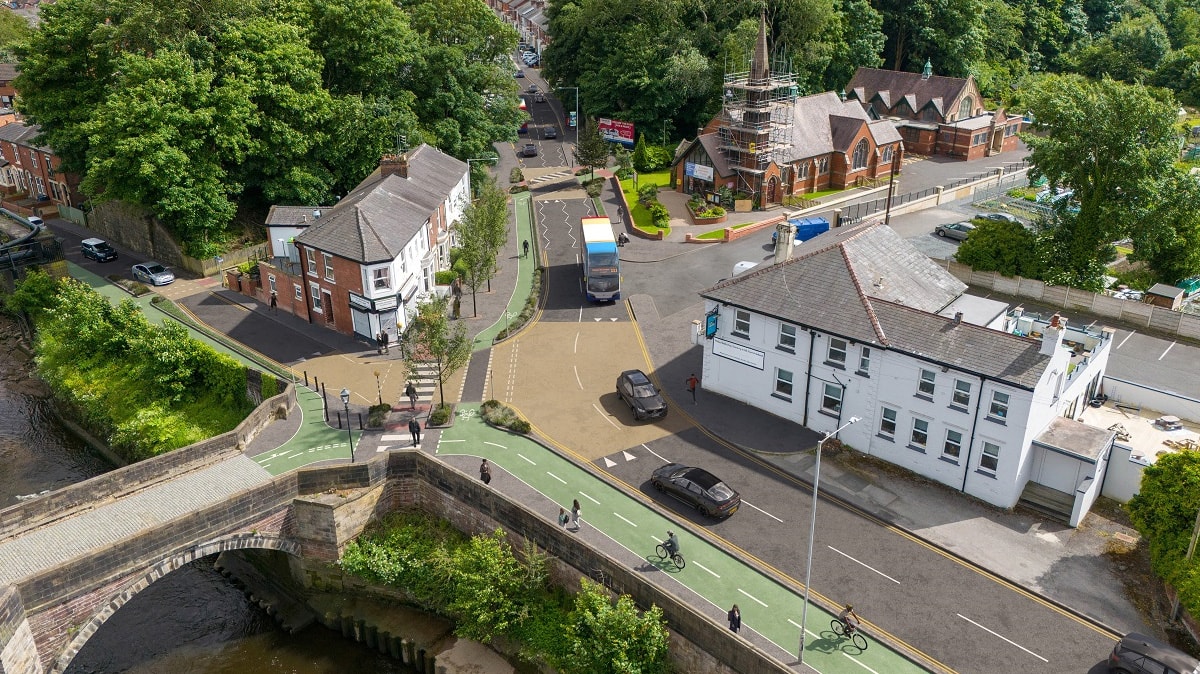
<point>531,304</point>
<point>482,586</point>
<point>440,414</point>
<point>1164,512</point>
<point>377,415</point>
<point>497,413</point>
<point>144,389</point>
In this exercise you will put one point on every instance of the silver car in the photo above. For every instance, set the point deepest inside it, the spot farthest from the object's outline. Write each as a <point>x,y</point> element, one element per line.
<point>153,274</point>
<point>957,230</point>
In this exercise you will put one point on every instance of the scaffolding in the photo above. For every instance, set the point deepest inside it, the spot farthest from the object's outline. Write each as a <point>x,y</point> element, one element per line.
<point>755,126</point>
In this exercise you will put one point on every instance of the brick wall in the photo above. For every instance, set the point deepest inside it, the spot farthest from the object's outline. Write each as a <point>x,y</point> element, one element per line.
<point>18,652</point>
<point>35,512</point>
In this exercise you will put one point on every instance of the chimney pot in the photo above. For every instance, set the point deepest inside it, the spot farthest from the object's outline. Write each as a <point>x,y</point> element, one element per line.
<point>394,164</point>
<point>957,317</point>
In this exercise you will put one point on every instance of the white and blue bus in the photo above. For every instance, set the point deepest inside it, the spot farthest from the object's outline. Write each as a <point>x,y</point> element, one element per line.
<point>601,264</point>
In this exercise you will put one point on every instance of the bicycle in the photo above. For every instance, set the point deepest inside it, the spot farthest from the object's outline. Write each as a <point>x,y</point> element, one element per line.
<point>843,631</point>
<point>676,558</point>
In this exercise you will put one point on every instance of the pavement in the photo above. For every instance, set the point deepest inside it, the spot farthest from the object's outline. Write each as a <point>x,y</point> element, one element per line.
<point>1061,564</point>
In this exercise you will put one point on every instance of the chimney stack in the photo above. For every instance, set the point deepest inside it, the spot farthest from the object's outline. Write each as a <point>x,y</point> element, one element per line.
<point>1052,335</point>
<point>394,164</point>
<point>957,317</point>
<point>785,240</point>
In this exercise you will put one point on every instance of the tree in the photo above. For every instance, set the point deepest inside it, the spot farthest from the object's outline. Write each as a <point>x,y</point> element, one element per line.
<point>433,339</point>
<point>1169,240</point>
<point>608,638</point>
<point>1164,512</point>
<point>949,33</point>
<point>1005,247</point>
<point>481,235</point>
<point>639,154</point>
<point>1110,142</point>
<point>1130,52</point>
<point>592,149</point>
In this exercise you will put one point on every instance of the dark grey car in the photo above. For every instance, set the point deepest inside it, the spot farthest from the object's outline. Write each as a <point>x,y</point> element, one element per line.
<point>98,250</point>
<point>1140,654</point>
<point>698,488</point>
<point>642,396</point>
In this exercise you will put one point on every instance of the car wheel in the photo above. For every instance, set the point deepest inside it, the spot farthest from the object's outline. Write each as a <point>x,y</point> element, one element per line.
<point>657,485</point>
<point>704,510</point>
<point>941,233</point>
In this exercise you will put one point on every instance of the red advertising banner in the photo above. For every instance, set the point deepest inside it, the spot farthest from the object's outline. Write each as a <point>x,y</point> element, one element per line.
<point>616,131</point>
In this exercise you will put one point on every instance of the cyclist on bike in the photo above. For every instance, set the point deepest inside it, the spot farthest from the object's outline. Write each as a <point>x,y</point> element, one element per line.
<point>846,615</point>
<point>671,544</point>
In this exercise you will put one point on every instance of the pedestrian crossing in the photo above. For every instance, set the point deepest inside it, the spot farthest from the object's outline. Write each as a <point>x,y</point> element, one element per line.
<point>424,379</point>
<point>550,177</point>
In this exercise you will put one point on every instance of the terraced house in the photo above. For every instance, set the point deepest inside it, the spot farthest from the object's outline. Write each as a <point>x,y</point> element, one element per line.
<point>957,388</point>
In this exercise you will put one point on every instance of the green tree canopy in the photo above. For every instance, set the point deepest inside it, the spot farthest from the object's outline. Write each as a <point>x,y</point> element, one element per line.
<point>433,339</point>
<point>1005,247</point>
<point>1164,512</point>
<point>480,236</point>
<point>1112,143</point>
<point>614,638</point>
<point>592,149</point>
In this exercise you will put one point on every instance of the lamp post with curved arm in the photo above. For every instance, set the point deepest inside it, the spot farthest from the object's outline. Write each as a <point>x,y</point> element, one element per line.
<point>345,396</point>
<point>812,529</point>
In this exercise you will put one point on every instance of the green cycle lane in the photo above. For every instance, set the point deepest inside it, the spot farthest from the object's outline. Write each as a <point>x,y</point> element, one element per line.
<point>526,265</point>
<point>768,607</point>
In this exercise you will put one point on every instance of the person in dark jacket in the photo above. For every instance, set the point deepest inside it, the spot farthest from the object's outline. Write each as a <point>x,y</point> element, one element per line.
<point>414,427</point>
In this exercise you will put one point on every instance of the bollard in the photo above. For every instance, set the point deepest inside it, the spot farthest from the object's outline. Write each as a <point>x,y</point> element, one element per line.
<point>360,426</point>
<point>395,648</point>
<point>347,627</point>
<point>384,638</point>
<point>410,652</point>
<point>339,418</point>
<point>419,662</point>
<point>360,631</point>
<point>430,663</point>
<point>372,636</point>
<point>306,377</point>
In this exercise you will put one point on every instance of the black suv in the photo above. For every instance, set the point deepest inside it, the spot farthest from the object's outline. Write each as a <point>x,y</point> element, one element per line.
<point>98,250</point>
<point>642,396</point>
<point>1139,654</point>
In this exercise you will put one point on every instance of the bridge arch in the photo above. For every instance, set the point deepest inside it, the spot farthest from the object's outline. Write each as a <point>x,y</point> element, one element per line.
<point>238,541</point>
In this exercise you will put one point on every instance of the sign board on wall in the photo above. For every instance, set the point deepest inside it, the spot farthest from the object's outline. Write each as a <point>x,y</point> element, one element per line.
<point>741,354</point>
<point>616,131</point>
<point>698,171</point>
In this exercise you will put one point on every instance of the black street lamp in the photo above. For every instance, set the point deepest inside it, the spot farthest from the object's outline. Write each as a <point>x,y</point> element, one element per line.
<point>350,434</point>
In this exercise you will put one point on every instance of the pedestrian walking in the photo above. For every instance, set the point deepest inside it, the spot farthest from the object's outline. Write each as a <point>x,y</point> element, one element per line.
<point>414,427</point>
<point>456,287</point>
<point>485,472</point>
<point>735,619</point>
<point>525,246</point>
<point>386,338</point>
<point>457,307</point>
<point>692,383</point>
<point>563,518</point>
<point>274,301</point>
<point>575,509</point>
<point>411,392</point>
<point>379,342</point>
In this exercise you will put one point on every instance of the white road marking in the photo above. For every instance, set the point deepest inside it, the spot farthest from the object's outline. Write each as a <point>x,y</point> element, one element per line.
<point>745,502</point>
<point>1000,637</point>
<point>865,566</point>
<point>609,463</point>
<point>656,454</point>
<point>628,456</point>
<point>794,623</point>
<point>1089,325</point>
<point>392,438</point>
<point>584,494</point>
<point>753,598</point>
<point>626,521</point>
<point>526,458</point>
<point>494,444</point>
<point>714,573</point>
<point>1164,353</point>
<point>575,369</point>
<point>1126,339</point>
<point>556,477</point>
<point>449,441</point>
<point>859,663</point>
<point>604,414</point>
<point>575,349</point>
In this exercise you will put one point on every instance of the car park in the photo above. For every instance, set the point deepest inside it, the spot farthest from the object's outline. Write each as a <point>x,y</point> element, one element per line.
<point>1000,217</point>
<point>955,230</point>
<point>698,488</point>
<point>98,250</point>
<point>551,132</point>
<point>530,150</point>
<point>153,273</point>
<point>643,397</point>
<point>1139,654</point>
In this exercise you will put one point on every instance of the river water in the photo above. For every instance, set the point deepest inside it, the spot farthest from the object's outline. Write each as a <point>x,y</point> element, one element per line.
<point>192,621</point>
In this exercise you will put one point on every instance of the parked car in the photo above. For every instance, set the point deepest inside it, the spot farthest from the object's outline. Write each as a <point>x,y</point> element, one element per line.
<point>1000,217</point>
<point>642,396</point>
<point>530,150</point>
<point>519,73</point>
<point>98,250</point>
<point>698,488</point>
<point>153,273</point>
<point>533,88</point>
<point>955,230</point>
<point>35,221</point>
<point>1140,654</point>
<point>551,132</point>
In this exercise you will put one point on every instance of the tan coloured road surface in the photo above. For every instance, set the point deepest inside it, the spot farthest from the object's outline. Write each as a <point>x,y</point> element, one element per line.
<point>562,377</point>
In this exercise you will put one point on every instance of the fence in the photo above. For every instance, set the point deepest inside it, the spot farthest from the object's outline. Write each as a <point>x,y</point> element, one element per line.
<point>934,196</point>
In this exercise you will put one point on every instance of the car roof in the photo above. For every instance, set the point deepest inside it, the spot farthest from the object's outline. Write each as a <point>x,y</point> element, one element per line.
<point>636,376</point>
<point>93,241</point>
<point>1164,653</point>
<point>702,477</point>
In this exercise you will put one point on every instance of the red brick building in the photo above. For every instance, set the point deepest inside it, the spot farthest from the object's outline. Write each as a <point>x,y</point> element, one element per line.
<point>769,143</point>
<point>33,170</point>
<point>934,114</point>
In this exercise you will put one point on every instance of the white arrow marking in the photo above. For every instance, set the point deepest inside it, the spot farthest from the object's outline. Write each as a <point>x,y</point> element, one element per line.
<point>609,463</point>
<point>628,456</point>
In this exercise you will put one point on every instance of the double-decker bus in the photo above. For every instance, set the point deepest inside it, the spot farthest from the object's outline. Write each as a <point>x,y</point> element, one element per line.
<point>525,122</point>
<point>601,264</point>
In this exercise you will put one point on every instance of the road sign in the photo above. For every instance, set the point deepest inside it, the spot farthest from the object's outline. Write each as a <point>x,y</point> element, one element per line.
<point>572,119</point>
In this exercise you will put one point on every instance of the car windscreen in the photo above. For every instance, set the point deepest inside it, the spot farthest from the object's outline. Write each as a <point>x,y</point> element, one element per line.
<point>155,268</point>
<point>720,492</point>
<point>644,390</point>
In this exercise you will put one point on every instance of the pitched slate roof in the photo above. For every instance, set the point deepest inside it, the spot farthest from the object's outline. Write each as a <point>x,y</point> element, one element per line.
<point>823,123</point>
<point>893,84</point>
<point>293,216</point>
<point>8,72</point>
<point>18,132</point>
<point>867,284</point>
<point>379,217</point>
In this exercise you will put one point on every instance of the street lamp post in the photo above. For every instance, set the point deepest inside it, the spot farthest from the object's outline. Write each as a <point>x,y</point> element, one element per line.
<point>812,529</point>
<point>345,394</point>
<point>470,194</point>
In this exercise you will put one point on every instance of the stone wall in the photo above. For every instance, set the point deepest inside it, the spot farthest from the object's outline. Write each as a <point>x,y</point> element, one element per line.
<point>136,229</point>
<point>18,652</point>
<point>61,503</point>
